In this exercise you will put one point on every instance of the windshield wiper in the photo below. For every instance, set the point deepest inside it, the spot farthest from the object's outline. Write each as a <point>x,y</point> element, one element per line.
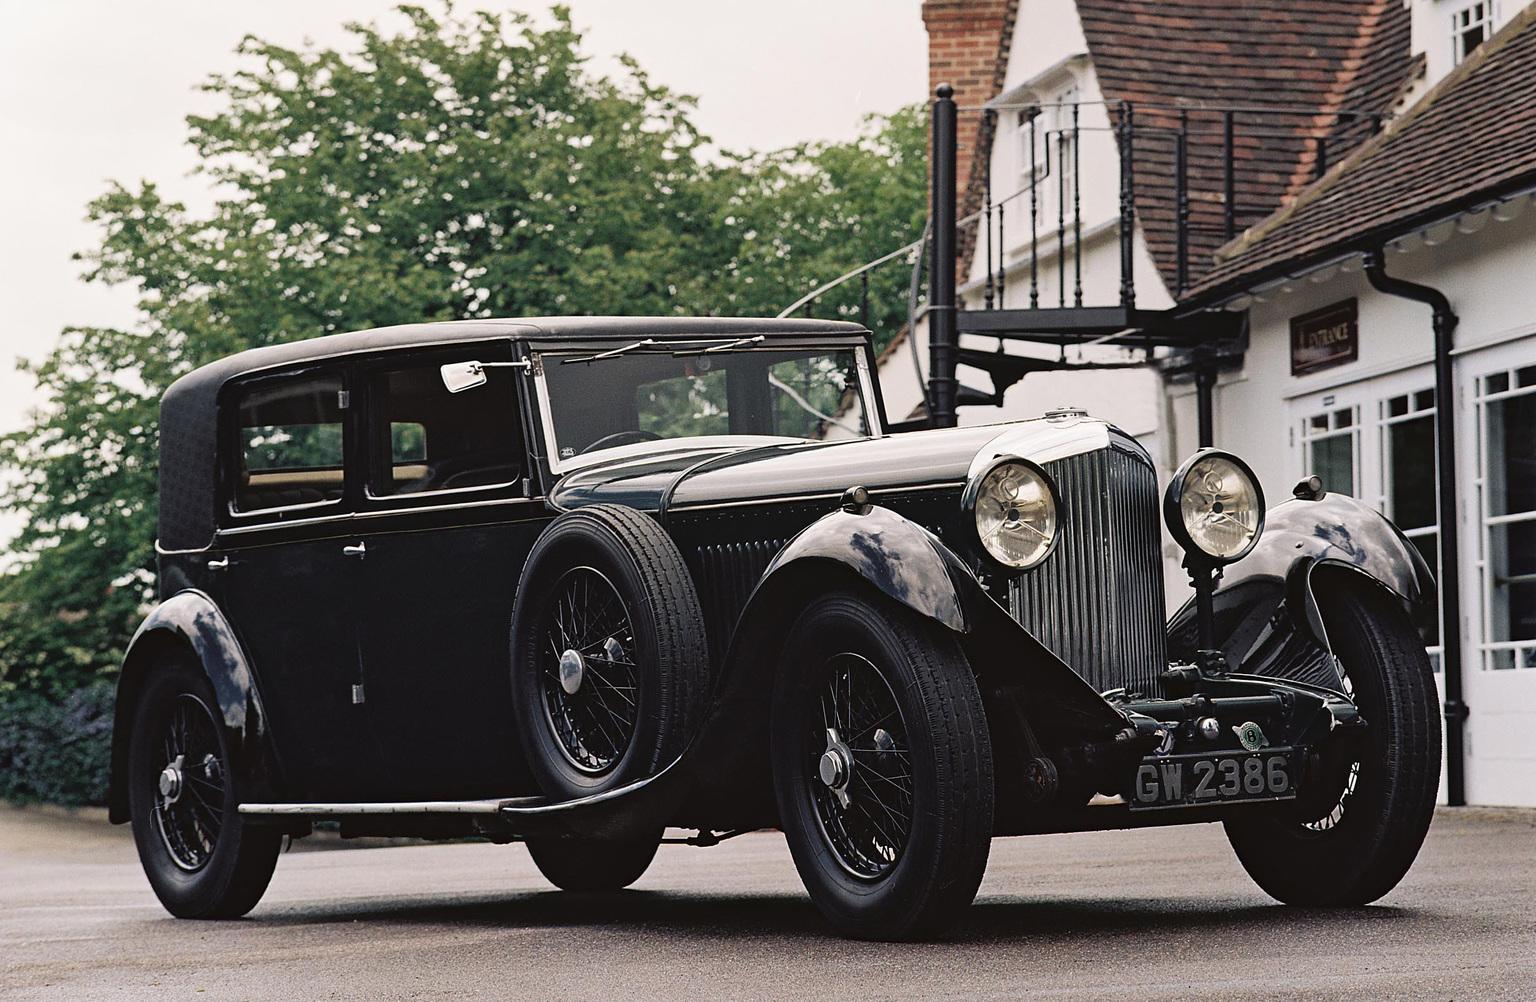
<point>612,353</point>
<point>651,344</point>
<point>740,342</point>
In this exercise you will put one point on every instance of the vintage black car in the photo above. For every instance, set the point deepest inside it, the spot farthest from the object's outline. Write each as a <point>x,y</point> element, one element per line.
<point>576,582</point>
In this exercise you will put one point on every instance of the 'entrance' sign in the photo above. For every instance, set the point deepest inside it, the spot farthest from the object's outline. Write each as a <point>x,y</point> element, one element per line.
<point>1325,338</point>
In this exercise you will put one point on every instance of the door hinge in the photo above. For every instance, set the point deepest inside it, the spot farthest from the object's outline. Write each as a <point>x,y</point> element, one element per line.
<point>343,399</point>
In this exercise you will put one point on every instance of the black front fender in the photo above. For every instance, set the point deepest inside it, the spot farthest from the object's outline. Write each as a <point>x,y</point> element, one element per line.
<point>1268,620</point>
<point>189,626</point>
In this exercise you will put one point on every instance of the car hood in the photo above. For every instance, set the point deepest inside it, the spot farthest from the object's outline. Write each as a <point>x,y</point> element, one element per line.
<point>797,470</point>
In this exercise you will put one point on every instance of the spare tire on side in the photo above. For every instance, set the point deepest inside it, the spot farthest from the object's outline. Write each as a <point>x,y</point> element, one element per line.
<point>609,662</point>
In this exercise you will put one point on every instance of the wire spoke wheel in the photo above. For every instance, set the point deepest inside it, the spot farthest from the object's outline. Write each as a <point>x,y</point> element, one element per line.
<point>189,792</point>
<point>862,765</point>
<point>588,678</point>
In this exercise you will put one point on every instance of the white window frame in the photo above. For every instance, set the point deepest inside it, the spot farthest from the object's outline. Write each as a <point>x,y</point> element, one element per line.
<point>1524,651</point>
<point>1479,13</point>
<point>1307,434</point>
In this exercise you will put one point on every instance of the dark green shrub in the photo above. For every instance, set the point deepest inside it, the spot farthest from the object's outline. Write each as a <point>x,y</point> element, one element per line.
<point>56,750</point>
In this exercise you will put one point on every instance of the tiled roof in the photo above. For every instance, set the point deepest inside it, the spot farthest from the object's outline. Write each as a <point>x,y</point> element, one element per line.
<point>1298,69</point>
<point>1471,138</point>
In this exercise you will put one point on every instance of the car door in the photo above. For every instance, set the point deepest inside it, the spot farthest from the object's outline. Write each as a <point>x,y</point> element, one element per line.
<point>290,587</point>
<point>448,519</point>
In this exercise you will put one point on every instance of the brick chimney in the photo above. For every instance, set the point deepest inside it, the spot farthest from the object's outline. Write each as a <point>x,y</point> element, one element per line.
<point>968,42</point>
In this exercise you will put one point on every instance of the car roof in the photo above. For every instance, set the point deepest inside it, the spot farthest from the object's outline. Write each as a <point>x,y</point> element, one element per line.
<point>524,328</point>
<point>188,438</point>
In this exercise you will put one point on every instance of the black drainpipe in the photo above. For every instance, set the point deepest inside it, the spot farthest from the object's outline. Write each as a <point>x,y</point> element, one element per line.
<point>1444,322</point>
<point>943,339</point>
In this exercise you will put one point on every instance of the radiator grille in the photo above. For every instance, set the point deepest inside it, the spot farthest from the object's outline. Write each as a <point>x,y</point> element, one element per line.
<point>1097,601</point>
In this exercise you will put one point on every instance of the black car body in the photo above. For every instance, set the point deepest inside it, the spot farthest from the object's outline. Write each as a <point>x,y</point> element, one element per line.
<point>341,542</point>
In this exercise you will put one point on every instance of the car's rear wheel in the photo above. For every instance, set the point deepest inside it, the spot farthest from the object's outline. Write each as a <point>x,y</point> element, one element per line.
<point>882,767</point>
<point>610,670</point>
<point>202,860</point>
<point>1356,842</point>
<point>574,864</point>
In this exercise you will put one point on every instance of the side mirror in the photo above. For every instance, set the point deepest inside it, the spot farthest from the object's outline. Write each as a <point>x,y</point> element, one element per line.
<point>461,376</point>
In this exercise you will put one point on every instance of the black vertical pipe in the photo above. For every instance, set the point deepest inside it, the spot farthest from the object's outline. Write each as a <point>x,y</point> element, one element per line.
<point>987,211</point>
<point>1077,215</point>
<point>1126,126</point>
<point>1205,392</point>
<point>1061,219</point>
<point>1229,176</point>
<point>1002,244</point>
<point>943,339</point>
<point>864,300</point>
<point>1034,212</point>
<point>1444,324</point>
<point>1181,202</point>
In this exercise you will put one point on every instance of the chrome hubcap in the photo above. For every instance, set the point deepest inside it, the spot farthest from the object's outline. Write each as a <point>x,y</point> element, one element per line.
<point>572,670</point>
<point>170,782</point>
<point>836,767</point>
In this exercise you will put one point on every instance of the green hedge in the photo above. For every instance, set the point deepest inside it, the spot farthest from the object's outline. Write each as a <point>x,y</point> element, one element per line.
<point>56,750</point>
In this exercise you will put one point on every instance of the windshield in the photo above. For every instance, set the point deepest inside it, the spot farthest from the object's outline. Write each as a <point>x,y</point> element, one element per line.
<point>659,391</point>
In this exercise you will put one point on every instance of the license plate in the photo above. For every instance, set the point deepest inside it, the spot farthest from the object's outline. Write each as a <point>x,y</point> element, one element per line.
<point>1232,777</point>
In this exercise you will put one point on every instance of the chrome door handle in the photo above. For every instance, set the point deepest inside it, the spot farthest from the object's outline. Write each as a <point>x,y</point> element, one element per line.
<point>359,551</point>
<point>221,564</point>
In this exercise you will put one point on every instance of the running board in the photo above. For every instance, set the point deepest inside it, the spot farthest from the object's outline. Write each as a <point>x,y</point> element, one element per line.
<point>640,807</point>
<point>403,807</point>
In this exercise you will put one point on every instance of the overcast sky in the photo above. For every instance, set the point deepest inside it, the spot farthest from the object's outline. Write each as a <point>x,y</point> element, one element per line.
<point>92,90</point>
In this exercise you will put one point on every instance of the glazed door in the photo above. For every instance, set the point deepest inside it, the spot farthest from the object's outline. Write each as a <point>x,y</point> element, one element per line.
<point>1499,574</point>
<point>292,579</point>
<point>448,524</point>
<point>1375,439</point>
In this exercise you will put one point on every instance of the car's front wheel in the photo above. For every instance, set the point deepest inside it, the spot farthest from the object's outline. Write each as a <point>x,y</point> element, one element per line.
<point>202,860</point>
<point>882,767</point>
<point>1357,841</point>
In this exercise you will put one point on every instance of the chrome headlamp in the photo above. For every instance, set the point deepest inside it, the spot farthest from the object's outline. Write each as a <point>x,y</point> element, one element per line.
<point>1014,508</point>
<point>1214,507</point>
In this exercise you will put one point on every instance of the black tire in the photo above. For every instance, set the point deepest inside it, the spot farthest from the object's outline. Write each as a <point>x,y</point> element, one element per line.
<point>202,860</point>
<point>871,879</point>
<point>573,864</point>
<point>1365,840</point>
<point>641,677</point>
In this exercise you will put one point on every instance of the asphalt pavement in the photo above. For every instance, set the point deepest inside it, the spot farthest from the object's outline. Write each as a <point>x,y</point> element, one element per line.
<point>1161,913</point>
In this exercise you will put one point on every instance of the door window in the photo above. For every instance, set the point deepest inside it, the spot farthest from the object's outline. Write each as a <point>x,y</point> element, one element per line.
<point>1408,473</point>
<point>429,440</point>
<point>291,444</point>
<point>1330,441</point>
<point>1507,419</point>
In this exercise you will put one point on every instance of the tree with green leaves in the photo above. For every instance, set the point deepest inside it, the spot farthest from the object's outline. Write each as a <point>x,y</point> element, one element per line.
<point>466,165</point>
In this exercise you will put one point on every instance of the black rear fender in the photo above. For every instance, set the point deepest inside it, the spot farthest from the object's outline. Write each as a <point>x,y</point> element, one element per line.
<point>190,628</point>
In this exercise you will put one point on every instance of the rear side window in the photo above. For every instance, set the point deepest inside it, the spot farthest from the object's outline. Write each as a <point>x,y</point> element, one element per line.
<point>427,439</point>
<point>291,444</point>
